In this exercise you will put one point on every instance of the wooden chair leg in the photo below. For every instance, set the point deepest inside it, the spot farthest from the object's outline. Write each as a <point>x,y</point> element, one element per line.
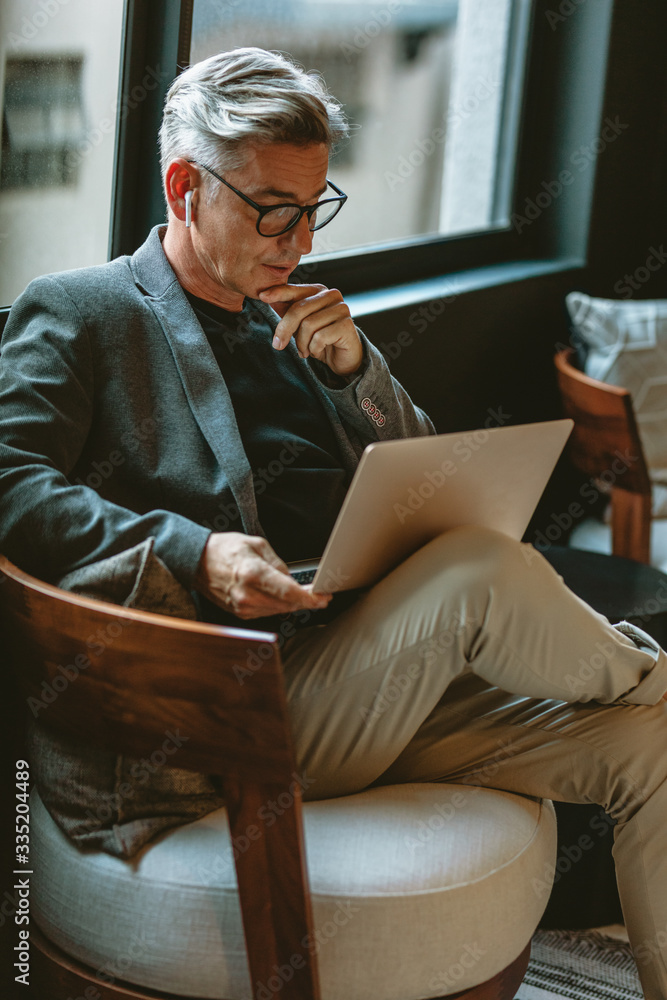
<point>279,933</point>
<point>502,986</point>
<point>631,525</point>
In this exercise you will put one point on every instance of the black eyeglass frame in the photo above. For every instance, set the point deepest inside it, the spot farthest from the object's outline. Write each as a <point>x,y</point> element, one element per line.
<point>263,210</point>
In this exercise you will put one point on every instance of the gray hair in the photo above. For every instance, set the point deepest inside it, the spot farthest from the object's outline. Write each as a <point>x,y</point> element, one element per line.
<point>214,109</point>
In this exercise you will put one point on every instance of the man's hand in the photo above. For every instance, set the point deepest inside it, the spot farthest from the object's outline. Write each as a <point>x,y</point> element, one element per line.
<point>242,574</point>
<point>320,322</point>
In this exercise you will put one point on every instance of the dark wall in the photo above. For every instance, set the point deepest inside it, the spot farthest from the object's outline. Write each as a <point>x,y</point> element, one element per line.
<point>630,206</point>
<point>488,349</point>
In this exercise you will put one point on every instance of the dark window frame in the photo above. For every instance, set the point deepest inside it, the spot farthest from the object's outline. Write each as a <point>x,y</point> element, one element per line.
<point>543,144</point>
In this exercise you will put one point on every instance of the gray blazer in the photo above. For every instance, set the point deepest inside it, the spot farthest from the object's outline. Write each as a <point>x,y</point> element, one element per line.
<point>118,443</point>
<point>116,424</point>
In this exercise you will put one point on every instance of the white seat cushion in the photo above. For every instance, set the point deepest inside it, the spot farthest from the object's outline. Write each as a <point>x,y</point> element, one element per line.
<point>418,891</point>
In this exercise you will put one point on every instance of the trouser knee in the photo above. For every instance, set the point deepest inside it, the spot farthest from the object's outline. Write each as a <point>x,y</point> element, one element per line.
<point>486,554</point>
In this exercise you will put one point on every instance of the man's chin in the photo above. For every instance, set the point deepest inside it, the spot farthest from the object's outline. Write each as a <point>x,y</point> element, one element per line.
<point>265,288</point>
<point>270,277</point>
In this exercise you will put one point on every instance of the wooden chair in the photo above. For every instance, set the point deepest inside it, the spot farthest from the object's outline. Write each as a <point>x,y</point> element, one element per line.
<point>604,429</point>
<point>619,588</point>
<point>163,673</point>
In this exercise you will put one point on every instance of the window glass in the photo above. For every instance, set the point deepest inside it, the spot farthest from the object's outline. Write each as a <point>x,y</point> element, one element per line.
<point>42,122</point>
<point>432,88</point>
<point>59,66</point>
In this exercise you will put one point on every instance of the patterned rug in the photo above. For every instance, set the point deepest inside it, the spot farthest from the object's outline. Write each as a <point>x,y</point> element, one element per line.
<point>580,965</point>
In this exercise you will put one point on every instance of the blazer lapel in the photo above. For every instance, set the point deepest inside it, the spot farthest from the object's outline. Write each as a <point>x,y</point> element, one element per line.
<point>202,380</point>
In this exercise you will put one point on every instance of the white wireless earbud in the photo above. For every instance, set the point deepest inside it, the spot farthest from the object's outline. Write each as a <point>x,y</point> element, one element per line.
<point>188,209</point>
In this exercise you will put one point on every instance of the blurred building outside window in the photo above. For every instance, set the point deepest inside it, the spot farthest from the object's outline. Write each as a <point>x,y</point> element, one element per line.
<point>59,72</point>
<point>432,89</point>
<point>42,122</point>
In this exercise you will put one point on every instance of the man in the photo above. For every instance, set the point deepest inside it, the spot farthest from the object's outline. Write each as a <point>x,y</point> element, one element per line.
<point>143,403</point>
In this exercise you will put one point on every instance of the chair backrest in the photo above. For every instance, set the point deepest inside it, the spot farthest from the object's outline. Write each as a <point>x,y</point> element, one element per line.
<point>121,678</point>
<point>605,444</point>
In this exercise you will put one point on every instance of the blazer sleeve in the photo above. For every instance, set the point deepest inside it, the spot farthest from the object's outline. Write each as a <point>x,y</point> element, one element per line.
<point>373,402</point>
<point>49,525</point>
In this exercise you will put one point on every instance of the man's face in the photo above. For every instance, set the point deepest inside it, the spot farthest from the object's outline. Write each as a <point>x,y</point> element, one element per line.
<point>226,242</point>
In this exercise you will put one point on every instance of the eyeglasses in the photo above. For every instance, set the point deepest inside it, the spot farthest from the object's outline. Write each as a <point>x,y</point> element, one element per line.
<point>274,220</point>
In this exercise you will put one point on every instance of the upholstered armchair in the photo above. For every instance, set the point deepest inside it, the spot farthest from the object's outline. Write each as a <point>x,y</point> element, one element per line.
<point>401,892</point>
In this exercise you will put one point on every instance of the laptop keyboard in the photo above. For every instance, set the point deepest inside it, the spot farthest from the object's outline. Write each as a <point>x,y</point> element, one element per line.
<point>303,575</point>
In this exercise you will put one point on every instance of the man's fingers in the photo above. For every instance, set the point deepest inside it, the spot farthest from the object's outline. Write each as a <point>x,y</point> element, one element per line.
<point>285,588</point>
<point>307,307</point>
<point>283,297</point>
<point>261,581</point>
<point>244,575</point>
<point>322,329</point>
<point>265,551</point>
<point>294,303</point>
<point>289,292</point>
<point>258,598</point>
<point>321,324</point>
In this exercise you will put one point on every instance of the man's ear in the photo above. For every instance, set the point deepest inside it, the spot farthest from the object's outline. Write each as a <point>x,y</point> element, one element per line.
<point>180,183</point>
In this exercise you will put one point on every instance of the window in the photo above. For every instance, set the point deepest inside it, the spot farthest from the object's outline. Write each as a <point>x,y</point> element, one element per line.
<point>59,72</point>
<point>466,108</point>
<point>432,91</point>
<point>42,122</point>
<point>520,91</point>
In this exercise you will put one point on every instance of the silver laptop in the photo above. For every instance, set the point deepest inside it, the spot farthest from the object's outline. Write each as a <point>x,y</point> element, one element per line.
<point>406,492</point>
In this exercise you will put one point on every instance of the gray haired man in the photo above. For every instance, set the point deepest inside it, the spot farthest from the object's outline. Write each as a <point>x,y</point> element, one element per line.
<point>178,376</point>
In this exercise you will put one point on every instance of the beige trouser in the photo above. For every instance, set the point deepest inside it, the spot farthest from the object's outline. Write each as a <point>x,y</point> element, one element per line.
<point>412,684</point>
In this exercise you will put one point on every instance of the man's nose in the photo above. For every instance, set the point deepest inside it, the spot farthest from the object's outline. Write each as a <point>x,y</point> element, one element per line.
<point>299,237</point>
